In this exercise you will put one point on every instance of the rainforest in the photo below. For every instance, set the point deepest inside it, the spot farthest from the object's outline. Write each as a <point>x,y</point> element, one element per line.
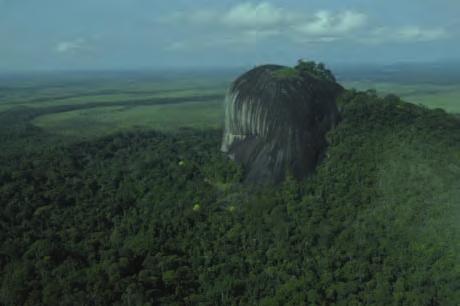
<point>227,153</point>
<point>110,207</point>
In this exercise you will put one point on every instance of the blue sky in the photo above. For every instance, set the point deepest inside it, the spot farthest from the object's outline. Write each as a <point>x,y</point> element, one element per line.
<point>146,34</point>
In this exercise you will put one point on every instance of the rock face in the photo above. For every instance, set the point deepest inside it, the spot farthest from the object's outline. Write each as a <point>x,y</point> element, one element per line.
<point>275,122</point>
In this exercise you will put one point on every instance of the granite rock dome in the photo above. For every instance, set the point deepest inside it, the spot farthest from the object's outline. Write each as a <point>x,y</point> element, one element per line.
<point>276,119</point>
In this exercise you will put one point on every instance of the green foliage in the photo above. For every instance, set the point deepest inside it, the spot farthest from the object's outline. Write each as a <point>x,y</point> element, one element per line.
<point>310,68</point>
<point>317,70</point>
<point>286,73</point>
<point>112,221</point>
<point>437,95</point>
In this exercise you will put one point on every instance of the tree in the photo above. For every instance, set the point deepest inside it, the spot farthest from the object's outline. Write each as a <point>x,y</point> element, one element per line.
<point>317,70</point>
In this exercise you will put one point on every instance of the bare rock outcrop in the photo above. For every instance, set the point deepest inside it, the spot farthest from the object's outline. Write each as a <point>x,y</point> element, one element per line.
<point>276,119</point>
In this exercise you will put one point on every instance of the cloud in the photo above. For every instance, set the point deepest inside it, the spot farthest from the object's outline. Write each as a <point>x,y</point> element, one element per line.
<point>244,38</point>
<point>406,34</point>
<point>414,33</point>
<point>254,15</point>
<point>242,15</point>
<point>249,23</point>
<point>198,17</point>
<point>326,23</point>
<point>72,46</point>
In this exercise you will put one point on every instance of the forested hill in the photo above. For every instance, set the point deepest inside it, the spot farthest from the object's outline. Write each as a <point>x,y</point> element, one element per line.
<point>148,218</point>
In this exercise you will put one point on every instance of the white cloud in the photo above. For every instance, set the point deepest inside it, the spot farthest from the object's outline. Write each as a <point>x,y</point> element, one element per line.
<point>254,15</point>
<point>249,23</point>
<point>72,46</point>
<point>198,17</point>
<point>244,38</point>
<point>326,23</point>
<point>242,15</point>
<point>406,34</point>
<point>414,33</point>
<point>350,20</point>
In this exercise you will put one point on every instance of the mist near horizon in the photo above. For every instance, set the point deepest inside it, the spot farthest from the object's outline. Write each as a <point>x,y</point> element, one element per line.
<point>139,34</point>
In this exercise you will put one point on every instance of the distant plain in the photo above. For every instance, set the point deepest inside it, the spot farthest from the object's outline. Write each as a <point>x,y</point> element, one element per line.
<point>86,105</point>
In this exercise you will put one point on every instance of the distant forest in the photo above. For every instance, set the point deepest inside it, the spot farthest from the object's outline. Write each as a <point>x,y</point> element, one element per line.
<point>150,218</point>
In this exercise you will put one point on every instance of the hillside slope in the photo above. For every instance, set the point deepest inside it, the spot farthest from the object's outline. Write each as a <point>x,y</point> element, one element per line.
<point>151,218</point>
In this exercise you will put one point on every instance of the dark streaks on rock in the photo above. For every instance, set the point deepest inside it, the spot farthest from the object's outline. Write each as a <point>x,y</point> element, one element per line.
<point>277,125</point>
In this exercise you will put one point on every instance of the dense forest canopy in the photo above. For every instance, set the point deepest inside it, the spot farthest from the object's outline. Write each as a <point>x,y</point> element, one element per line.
<point>149,218</point>
<point>307,68</point>
<point>318,70</point>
